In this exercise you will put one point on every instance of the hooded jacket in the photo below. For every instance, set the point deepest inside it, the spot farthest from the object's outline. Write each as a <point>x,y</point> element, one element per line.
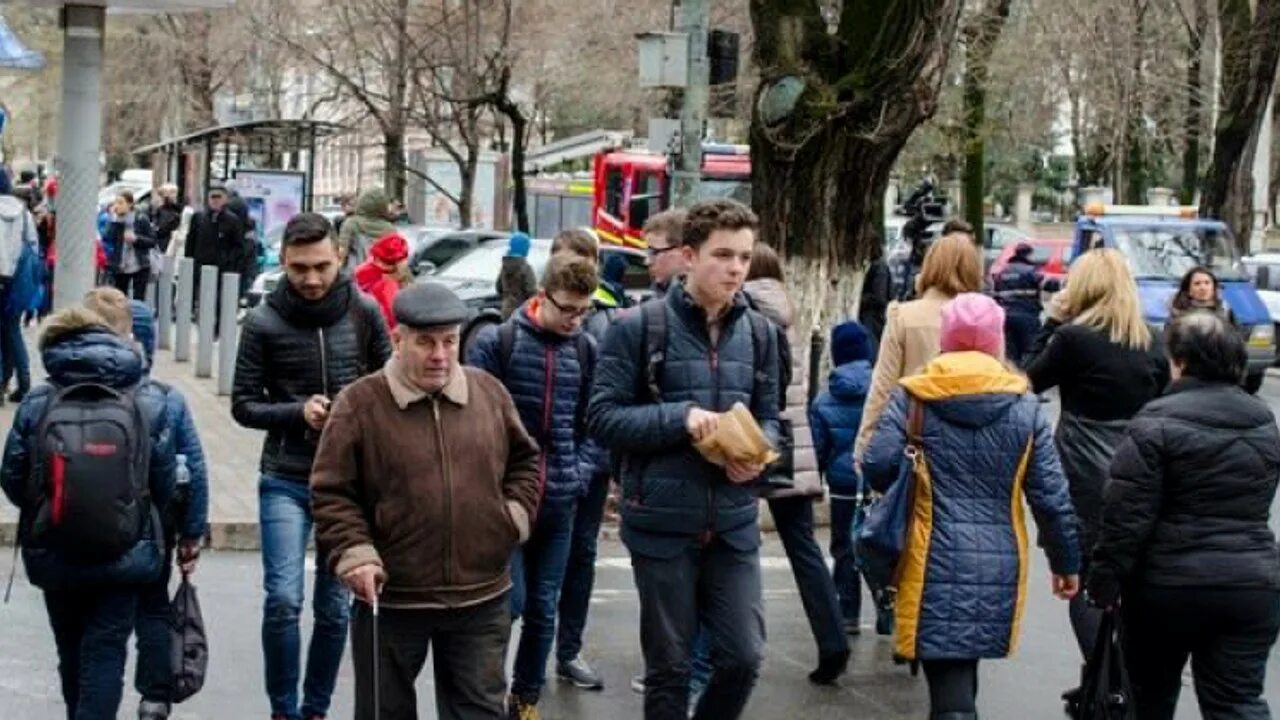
<point>364,227</point>
<point>292,348</point>
<point>986,444</point>
<point>834,418</point>
<point>17,227</point>
<point>516,283</point>
<point>769,297</point>
<point>76,349</point>
<point>544,377</point>
<point>672,495</point>
<point>380,285</point>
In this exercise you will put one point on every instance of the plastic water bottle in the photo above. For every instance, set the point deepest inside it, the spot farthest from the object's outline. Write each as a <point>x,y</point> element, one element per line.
<point>182,475</point>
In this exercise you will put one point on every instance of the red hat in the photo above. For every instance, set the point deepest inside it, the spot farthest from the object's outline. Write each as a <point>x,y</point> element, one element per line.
<point>390,249</point>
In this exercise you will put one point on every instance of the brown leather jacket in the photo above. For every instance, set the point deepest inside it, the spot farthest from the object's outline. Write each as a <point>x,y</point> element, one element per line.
<point>438,489</point>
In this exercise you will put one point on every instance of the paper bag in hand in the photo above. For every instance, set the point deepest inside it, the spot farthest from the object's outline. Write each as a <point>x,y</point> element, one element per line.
<point>738,438</point>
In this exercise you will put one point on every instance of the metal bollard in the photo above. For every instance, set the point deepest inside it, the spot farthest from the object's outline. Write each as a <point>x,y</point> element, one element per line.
<point>164,304</point>
<point>208,320</point>
<point>186,301</point>
<point>230,305</point>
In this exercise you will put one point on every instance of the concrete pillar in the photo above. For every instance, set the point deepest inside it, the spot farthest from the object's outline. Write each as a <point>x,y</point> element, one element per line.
<point>955,197</point>
<point>79,145</point>
<point>208,320</point>
<point>687,179</point>
<point>164,305</point>
<point>227,338</point>
<point>1022,210</point>
<point>186,301</point>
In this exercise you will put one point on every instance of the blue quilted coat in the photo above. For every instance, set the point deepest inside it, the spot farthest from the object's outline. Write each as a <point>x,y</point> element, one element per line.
<point>545,381</point>
<point>671,494</point>
<point>834,419</point>
<point>963,581</point>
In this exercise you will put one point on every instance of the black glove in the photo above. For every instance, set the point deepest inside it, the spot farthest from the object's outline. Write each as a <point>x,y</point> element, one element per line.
<point>1103,590</point>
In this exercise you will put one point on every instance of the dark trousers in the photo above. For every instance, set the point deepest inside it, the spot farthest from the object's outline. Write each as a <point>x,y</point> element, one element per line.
<point>1020,330</point>
<point>848,580</point>
<point>715,585</point>
<point>537,571</point>
<point>469,645</point>
<point>91,628</point>
<point>953,688</point>
<point>1227,633</point>
<point>793,518</point>
<point>153,674</point>
<point>580,572</point>
<point>133,285</point>
<point>13,352</point>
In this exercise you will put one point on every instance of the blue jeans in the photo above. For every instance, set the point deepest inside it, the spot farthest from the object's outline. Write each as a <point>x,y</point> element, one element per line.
<point>153,673</point>
<point>14,352</point>
<point>580,574</point>
<point>537,572</point>
<point>91,628</point>
<point>848,580</point>
<point>285,516</point>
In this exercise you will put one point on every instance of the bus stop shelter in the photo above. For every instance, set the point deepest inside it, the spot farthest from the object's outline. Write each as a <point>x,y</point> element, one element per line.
<point>197,160</point>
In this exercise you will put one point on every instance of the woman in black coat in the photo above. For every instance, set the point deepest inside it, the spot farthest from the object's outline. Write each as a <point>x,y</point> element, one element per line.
<point>1184,546</point>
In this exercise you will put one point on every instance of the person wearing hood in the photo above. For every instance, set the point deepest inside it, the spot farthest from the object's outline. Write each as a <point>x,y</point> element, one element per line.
<point>612,292</point>
<point>834,418</point>
<point>370,222</point>
<point>548,366</point>
<point>517,281</point>
<point>18,233</point>
<point>311,337</point>
<point>385,273</point>
<point>184,526</point>
<point>985,444</point>
<point>791,504</point>
<point>91,603</point>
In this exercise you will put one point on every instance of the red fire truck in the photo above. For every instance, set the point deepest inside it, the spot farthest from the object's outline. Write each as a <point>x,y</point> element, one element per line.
<point>632,185</point>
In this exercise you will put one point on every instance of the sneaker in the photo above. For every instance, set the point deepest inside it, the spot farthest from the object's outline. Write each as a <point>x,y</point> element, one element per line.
<point>884,621</point>
<point>150,710</point>
<point>578,672</point>
<point>830,668</point>
<point>637,684</point>
<point>17,395</point>
<point>520,709</point>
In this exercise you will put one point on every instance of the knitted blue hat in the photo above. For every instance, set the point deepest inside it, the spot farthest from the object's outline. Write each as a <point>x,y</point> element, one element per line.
<point>850,342</point>
<point>519,245</point>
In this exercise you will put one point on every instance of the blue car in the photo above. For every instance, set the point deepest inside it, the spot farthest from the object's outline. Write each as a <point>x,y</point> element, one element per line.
<point>1162,244</point>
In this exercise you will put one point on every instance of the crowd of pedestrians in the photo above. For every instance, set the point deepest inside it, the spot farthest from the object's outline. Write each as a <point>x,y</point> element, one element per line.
<point>1151,492</point>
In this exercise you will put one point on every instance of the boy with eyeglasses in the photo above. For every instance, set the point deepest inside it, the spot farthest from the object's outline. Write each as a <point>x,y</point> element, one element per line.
<point>546,362</point>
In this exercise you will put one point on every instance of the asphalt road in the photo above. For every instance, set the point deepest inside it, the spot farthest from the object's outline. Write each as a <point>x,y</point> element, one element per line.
<point>1025,687</point>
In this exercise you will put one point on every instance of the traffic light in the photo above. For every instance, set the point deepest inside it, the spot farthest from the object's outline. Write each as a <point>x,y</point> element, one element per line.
<point>722,50</point>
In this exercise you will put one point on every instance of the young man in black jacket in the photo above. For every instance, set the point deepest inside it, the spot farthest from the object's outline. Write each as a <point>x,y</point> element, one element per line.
<point>691,525</point>
<point>312,336</point>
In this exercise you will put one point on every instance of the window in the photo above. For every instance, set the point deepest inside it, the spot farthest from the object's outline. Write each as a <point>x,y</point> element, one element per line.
<point>445,250</point>
<point>614,189</point>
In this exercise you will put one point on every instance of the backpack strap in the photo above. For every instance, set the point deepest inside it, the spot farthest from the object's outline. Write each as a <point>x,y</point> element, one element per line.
<point>653,343</point>
<point>762,336</point>
<point>914,454</point>
<point>586,377</point>
<point>506,346</point>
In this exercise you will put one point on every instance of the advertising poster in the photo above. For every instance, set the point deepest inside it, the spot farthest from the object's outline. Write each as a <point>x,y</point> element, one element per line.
<point>273,196</point>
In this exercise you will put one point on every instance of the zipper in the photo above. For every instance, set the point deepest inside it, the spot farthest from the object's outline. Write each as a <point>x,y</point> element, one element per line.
<point>324,364</point>
<point>547,402</point>
<point>58,502</point>
<point>715,405</point>
<point>448,493</point>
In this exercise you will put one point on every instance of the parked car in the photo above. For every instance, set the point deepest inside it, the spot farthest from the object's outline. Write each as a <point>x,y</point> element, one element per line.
<point>473,276</point>
<point>1264,270</point>
<point>1053,255</point>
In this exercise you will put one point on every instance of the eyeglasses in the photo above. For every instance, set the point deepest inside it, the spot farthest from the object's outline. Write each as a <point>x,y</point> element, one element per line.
<point>655,252</point>
<point>572,313</point>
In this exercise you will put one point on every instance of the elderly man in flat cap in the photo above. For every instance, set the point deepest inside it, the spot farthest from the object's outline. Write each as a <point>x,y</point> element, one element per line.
<point>424,484</point>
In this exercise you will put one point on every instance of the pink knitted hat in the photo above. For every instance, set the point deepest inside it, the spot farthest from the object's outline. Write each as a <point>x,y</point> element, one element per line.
<point>973,322</point>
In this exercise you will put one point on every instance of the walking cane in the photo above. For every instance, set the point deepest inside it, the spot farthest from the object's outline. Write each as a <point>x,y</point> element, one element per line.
<point>377,658</point>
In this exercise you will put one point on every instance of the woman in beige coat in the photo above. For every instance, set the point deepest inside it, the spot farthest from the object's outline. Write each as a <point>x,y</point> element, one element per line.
<point>913,329</point>
<point>792,508</point>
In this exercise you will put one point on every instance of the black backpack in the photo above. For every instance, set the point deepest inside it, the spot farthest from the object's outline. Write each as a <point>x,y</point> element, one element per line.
<point>91,466</point>
<point>763,339</point>
<point>586,372</point>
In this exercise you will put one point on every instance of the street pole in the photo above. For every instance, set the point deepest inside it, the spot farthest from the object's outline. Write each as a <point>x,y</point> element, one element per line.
<point>687,178</point>
<point>78,147</point>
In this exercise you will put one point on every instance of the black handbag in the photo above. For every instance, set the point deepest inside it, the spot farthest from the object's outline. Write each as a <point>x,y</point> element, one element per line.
<point>1106,693</point>
<point>190,646</point>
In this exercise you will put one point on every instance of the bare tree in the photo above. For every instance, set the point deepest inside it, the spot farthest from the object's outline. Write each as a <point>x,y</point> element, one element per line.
<point>981,33</point>
<point>1250,52</point>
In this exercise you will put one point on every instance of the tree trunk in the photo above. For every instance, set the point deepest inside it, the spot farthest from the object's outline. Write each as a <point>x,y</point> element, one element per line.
<point>980,35</point>
<point>519,139</point>
<point>1132,182</point>
<point>1273,193</point>
<point>1250,50</point>
<point>832,113</point>
<point>468,171</point>
<point>393,172</point>
<point>1194,118</point>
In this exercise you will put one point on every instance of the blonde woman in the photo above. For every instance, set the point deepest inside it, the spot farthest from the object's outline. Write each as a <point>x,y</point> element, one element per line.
<point>1106,364</point>
<point>912,330</point>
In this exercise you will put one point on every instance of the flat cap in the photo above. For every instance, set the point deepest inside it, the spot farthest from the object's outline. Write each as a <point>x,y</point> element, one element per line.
<point>428,305</point>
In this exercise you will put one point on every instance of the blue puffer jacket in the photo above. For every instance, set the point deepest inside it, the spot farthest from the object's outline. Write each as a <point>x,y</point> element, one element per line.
<point>672,494</point>
<point>986,444</point>
<point>75,350</point>
<point>597,325</point>
<point>545,380</point>
<point>834,419</point>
